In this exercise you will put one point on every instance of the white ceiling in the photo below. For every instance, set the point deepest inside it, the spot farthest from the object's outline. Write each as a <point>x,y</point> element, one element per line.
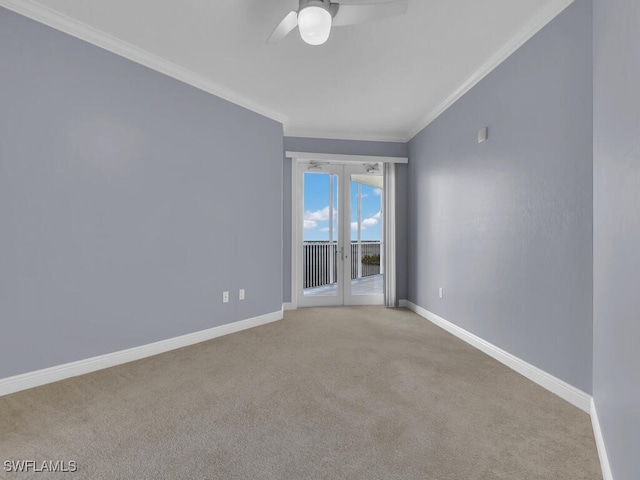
<point>384,80</point>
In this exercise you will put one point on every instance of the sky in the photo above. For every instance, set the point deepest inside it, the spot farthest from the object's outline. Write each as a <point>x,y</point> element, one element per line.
<point>316,209</point>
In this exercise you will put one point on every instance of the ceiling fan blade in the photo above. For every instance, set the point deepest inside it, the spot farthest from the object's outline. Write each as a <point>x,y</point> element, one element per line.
<point>354,14</point>
<point>283,29</point>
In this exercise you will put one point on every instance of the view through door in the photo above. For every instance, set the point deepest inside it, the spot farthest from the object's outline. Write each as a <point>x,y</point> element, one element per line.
<point>341,254</point>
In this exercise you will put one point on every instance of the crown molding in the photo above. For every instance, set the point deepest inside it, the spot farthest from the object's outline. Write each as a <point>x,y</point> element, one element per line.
<point>75,28</point>
<point>519,39</point>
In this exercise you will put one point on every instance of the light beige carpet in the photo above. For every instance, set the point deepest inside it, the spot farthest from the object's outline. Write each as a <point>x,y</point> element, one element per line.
<point>327,393</point>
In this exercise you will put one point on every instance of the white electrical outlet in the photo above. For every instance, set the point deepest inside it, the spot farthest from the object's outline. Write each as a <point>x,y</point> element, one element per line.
<point>225,297</point>
<point>241,294</point>
<point>440,292</point>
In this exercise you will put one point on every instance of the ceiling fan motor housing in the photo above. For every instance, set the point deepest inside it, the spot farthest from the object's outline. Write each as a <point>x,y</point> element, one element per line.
<point>330,7</point>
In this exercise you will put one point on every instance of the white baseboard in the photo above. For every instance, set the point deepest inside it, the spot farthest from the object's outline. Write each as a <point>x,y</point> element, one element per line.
<point>60,372</point>
<point>565,391</point>
<point>289,306</point>
<point>602,451</point>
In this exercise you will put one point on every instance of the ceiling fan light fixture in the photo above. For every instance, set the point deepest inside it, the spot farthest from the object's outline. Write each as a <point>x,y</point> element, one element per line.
<point>314,23</point>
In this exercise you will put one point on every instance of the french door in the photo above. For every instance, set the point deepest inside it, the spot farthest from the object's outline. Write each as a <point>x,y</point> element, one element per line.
<point>339,249</point>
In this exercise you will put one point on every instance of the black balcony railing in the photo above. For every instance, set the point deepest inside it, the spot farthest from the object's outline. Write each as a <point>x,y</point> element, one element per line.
<point>319,262</point>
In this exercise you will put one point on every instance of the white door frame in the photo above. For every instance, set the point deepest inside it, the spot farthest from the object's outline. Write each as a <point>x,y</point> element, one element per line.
<point>296,158</point>
<point>348,297</point>
<point>300,162</point>
<point>298,236</point>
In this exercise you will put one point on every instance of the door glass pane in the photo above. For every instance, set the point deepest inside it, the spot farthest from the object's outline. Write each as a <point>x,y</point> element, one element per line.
<point>366,262</point>
<point>320,239</point>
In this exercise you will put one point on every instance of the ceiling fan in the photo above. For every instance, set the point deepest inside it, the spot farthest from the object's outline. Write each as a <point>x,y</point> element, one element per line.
<point>314,18</point>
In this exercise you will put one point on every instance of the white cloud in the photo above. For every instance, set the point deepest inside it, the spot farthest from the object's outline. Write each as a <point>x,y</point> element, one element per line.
<point>318,215</point>
<point>309,224</point>
<point>325,229</point>
<point>377,191</point>
<point>367,222</point>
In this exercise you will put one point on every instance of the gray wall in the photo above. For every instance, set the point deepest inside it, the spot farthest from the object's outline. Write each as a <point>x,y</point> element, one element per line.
<point>128,202</point>
<point>346,147</point>
<point>616,217</point>
<point>505,227</point>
